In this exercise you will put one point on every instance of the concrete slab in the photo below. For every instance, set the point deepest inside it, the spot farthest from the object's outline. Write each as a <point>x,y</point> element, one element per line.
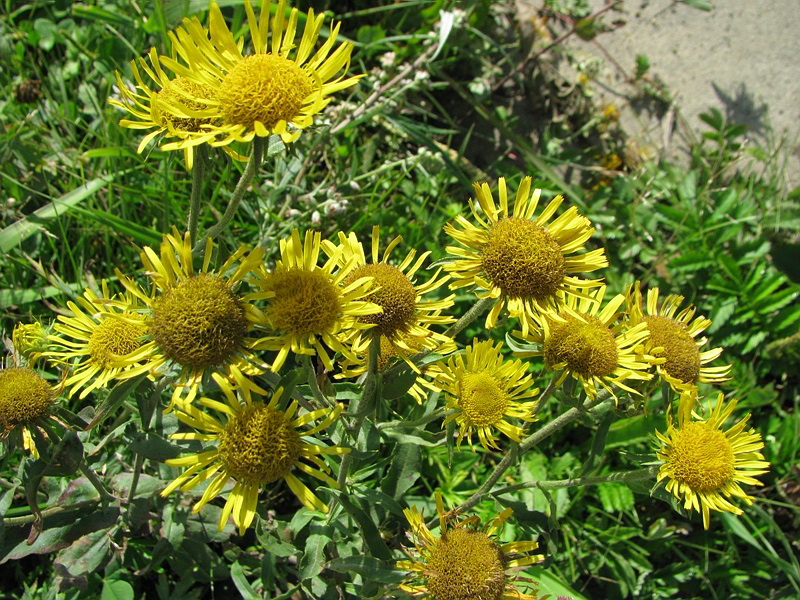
<point>743,57</point>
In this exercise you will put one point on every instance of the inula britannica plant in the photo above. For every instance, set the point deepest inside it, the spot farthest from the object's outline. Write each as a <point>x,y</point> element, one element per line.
<point>391,404</point>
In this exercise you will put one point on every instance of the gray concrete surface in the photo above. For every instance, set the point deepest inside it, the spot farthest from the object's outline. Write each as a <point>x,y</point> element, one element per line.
<point>743,57</point>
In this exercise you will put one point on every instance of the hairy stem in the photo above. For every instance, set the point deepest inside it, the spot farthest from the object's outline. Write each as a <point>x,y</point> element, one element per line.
<point>198,174</point>
<point>535,438</point>
<point>236,197</point>
<point>361,405</point>
<point>622,477</point>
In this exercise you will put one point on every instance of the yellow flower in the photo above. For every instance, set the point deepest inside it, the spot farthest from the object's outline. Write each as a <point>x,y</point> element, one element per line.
<point>309,305</point>
<point>30,340</point>
<point>197,322</point>
<point>174,108</point>
<point>101,332</point>
<point>25,399</point>
<point>465,562</point>
<point>591,345</point>
<point>704,464</point>
<point>256,443</point>
<point>674,339</point>
<point>276,90</point>
<point>405,317</point>
<point>520,261</point>
<point>483,389</point>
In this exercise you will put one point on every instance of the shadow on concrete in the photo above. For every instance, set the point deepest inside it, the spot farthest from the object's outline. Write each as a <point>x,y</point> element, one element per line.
<point>741,109</point>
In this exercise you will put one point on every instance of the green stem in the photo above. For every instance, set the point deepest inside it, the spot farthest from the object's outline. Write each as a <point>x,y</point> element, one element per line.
<point>53,510</point>
<point>313,384</point>
<point>236,197</point>
<point>198,173</point>
<point>361,404</point>
<point>548,391</point>
<point>105,495</point>
<point>469,316</point>
<point>535,438</point>
<point>137,470</point>
<point>371,382</point>
<point>421,422</point>
<point>623,477</point>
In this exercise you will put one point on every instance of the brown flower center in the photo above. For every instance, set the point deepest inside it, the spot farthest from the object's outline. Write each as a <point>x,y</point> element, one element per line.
<point>258,445</point>
<point>588,348</point>
<point>199,323</point>
<point>465,565</point>
<point>523,259</point>
<point>680,350</point>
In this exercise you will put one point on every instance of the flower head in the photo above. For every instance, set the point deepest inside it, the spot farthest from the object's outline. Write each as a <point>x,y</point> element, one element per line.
<point>520,261</point>
<point>92,342</point>
<point>256,443</point>
<point>465,562</point>
<point>674,339</point>
<point>169,106</point>
<point>483,390</point>
<point>405,315</point>
<point>703,463</point>
<point>590,344</point>
<point>197,322</point>
<point>30,340</point>
<point>309,305</point>
<point>275,90</point>
<point>25,399</point>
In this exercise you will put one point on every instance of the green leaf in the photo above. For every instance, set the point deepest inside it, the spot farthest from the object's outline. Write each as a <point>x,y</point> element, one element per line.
<point>687,189</point>
<point>730,267</point>
<point>13,235</point>
<point>598,443</point>
<point>17,297</point>
<point>713,119</point>
<point>550,583</point>
<point>314,552</point>
<point>369,531</point>
<point>241,583</point>
<point>404,471</point>
<point>615,497</point>
<point>272,544</point>
<point>370,34</point>
<point>147,484</point>
<point>642,66</point>
<point>78,490</point>
<point>173,525</point>
<point>116,18</point>
<point>154,447</point>
<point>378,498</point>
<point>116,589</point>
<point>60,531</point>
<point>5,503</point>
<point>48,33</point>
<point>701,4</point>
<point>420,438</point>
<point>142,235</point>
<point>397,386</point>
<point>369,567</point>
<point>84,555</point>
<point>690,261</point>
<point>116,397</point>
<point>777,300</point>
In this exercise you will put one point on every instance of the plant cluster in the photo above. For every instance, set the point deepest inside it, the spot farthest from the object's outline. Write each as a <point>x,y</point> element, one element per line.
<point>341,416</point>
